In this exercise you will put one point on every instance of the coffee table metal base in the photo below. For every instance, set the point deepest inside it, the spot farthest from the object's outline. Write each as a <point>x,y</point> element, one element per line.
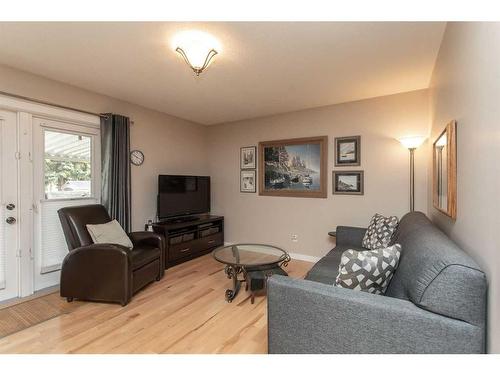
<point>243,266</point>
<point>257,279</point>
<point>232,272</point>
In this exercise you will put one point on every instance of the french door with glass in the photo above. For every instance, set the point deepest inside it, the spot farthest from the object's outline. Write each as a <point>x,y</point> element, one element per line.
<point>9,230</point>
<point>49,158</point>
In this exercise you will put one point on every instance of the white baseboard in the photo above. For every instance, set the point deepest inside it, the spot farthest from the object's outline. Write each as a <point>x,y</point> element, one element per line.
<point>304,257</point>
<point>296,256</point>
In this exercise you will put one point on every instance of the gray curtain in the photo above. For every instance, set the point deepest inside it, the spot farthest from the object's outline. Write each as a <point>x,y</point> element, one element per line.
<point>115,154</point>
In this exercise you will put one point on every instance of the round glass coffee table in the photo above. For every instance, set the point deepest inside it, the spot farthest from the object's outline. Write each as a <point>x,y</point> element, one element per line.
<point>254,262</point>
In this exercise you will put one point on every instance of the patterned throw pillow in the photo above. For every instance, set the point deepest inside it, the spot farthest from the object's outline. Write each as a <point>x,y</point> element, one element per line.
<point>379,232</point>
<point>370,270</point>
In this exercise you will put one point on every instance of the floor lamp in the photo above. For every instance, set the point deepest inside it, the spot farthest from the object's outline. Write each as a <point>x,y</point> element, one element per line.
<point>412,143</point>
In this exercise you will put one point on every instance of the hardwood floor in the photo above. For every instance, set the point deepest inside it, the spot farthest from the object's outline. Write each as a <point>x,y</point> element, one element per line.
<point>31,312</point>
<point>183,313</point>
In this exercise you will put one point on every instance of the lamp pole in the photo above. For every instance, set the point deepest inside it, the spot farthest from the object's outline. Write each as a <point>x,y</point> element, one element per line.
<point>411,143</point>
<point>412,179</point>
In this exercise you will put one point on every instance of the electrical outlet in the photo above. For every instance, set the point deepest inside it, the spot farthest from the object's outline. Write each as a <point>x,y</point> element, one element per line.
<point>295,238</point>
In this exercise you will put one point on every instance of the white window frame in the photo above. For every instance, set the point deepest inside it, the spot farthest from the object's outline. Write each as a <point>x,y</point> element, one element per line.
<point>95,160</point>
<point>49,275</point>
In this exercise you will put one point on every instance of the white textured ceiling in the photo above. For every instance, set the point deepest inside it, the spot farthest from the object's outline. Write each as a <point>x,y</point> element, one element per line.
<point>264,68</point>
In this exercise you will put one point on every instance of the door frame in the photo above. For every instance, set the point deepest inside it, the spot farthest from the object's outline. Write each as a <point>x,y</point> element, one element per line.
<point>26,110</point>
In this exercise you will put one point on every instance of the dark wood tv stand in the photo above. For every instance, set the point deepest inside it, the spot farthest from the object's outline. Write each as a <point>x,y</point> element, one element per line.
<point>186,240</point>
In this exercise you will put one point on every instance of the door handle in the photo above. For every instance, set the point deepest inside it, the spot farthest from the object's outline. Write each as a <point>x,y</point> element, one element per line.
<point>10,220</point>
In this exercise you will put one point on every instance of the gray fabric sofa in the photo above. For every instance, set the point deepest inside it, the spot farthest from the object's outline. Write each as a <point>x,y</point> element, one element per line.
<point>435,303</point>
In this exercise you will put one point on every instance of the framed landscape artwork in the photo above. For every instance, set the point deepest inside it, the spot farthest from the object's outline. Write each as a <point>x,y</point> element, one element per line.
<point>247,181</point>
<point>348,151</point>
<point>294,167</point>
<point>348,182</point>
<point>248,157</point>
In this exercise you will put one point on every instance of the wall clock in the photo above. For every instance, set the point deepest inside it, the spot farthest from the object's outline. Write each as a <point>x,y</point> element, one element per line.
<point>136,157</point>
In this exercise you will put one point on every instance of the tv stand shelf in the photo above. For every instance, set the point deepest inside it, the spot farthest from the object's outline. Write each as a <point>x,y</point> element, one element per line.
<point>186,240</point>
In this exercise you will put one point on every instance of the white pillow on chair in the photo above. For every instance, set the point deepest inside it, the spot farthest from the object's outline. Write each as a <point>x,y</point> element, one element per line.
<point>111,232</point>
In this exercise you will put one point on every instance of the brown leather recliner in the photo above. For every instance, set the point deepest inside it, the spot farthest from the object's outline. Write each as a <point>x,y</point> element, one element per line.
<point>106,272</point>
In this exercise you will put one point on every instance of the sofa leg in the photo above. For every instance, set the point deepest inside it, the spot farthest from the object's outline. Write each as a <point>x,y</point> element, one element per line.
<point>252,300</point>
<point>158,278</point>
<point>123,303</point>
<point>69,299</point>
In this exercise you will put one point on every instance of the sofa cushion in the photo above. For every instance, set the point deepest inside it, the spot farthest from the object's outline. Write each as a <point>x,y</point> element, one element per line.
<point>380,231</point>
<point>327,268</point>
<point>368,270</point>
<point>435,274</point>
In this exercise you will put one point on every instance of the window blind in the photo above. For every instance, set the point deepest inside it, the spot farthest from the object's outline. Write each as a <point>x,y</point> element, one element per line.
<point>53,243</point>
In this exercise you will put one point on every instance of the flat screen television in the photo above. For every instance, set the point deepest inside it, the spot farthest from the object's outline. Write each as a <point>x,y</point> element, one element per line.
<point>183,195</point>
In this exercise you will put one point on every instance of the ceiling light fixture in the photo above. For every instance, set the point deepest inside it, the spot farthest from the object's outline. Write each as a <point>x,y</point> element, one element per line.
<point>196,48</point>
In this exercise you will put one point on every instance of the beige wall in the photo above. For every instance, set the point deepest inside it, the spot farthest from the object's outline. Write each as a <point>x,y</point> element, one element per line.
<point>466,87</point>
<point>170,144</point>
<point>254,218</point>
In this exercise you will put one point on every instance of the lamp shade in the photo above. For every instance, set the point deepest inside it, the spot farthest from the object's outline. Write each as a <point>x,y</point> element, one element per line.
<point>412,142</point>
<point>196,47</point>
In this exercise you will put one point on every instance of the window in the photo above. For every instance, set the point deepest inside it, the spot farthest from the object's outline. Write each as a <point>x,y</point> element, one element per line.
<point>67,165</point>
<point>67,173</point>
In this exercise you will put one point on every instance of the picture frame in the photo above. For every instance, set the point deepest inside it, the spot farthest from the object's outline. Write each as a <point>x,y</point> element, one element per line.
<point>348,182</point>
<point>348,151</point>
<point>294,167</point>
<point>248,157</point>
<point>444,171</point>
<point>248,183</point>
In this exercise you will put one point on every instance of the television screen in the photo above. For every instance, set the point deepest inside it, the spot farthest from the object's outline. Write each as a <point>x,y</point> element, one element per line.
<point>183,195</point>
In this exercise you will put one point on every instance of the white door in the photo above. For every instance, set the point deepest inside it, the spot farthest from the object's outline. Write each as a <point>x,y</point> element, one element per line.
<point>66,173</point>
<point>9,265</point>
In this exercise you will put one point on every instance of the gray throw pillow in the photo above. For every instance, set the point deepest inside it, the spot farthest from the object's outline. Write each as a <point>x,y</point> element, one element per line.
<point>380,232</point>
<point>111,232</point>
<point>368,271</point>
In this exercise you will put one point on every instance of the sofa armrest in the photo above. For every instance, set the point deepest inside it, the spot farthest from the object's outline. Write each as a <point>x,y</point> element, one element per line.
<point>350,236</point>
<point>102,271</point>
<point>147,238</point>
<point>100,251</point>
<point>309,317</point>
<point>151,239</point>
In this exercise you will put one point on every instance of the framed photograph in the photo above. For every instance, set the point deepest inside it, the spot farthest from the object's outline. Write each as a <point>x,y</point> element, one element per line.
<point>348,182</point>
<point>248,157</point>
<point>294,167</point>
<point>247,181</point>
<point>348,151</point>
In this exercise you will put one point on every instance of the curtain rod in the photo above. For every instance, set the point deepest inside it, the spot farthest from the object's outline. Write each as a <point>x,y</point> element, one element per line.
<point>54,105</point>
